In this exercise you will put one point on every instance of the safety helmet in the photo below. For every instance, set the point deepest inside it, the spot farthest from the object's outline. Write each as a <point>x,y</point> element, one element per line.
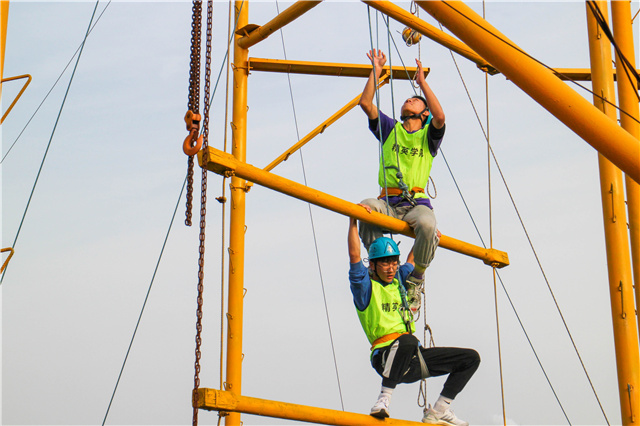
<point>383,247</point>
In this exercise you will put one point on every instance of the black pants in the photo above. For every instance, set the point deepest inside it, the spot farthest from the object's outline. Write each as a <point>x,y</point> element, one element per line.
<point>399,363</point>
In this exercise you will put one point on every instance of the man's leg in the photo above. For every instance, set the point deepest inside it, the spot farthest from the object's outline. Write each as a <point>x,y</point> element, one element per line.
<point>369,233</point>
<point>423,222</point>
<point>459,363</point>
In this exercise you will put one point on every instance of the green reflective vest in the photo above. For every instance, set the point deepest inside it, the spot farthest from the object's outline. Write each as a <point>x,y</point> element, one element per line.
<point>383,315</point>
<point>414,156</point>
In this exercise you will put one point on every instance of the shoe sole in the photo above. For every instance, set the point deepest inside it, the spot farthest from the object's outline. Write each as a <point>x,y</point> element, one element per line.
<point>382,414</point>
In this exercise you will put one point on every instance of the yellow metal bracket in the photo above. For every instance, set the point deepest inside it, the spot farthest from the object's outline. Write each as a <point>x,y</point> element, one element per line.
<point>28,77</point>
<point>6,262</point>
<point>225,401</point>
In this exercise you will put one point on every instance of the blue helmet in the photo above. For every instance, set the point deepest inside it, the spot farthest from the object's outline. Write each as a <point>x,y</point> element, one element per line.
<point>383,247</point>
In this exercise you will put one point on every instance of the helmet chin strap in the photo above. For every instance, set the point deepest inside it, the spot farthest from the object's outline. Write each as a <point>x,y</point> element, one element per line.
<point>417,115</point>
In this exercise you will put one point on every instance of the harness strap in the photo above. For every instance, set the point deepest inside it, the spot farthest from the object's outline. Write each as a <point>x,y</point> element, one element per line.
<point>424,371</point>
<point>386,338</point>
<point>398,191</point>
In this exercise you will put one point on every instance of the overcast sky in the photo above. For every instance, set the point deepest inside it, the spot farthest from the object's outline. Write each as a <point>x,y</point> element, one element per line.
<point>103,204</point>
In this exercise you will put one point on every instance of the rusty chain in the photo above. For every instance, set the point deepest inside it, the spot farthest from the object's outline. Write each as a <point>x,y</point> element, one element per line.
<point>203,212</point>
<point>194,92</point>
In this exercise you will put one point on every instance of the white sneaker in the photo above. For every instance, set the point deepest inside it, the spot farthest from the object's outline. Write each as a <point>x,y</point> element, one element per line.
<point>414,294</point>
<point>381,408</point>
<point>447,418</point>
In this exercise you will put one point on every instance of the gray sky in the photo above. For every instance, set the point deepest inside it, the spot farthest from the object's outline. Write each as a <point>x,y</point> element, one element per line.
<point>107,191</point>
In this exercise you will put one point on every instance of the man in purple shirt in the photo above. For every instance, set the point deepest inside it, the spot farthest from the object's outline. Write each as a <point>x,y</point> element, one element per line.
<point>408,148</point>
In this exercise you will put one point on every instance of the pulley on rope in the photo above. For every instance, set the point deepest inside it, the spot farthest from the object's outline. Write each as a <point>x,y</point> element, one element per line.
<point>410,36</point>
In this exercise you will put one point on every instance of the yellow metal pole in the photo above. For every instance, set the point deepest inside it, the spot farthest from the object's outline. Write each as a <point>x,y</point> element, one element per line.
<point>237,216</point>
<point>412,21</point>
<point>615,227</point>
<point>321,128</point>
<point>213,399</point>
<point>540,83</point>
<point>327,68</point>
<point>224,164</point>
<point>627,91</point>
<point>256,34</point>
<point>4,20</point>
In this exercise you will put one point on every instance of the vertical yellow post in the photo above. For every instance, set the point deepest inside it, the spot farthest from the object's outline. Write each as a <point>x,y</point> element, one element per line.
<point>237,217</point>
<point>627,90</point>
<point>4,19</point>
<point>616,237</point>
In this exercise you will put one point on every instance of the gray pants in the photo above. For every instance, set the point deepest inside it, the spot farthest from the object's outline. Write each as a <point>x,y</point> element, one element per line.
<point>420,218</point>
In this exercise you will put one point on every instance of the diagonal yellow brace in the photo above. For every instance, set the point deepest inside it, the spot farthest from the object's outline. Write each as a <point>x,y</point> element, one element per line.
<point>255,34</point>
<point>214,399</point>
<point>222,163</point>
<point>28,77</point>
<point>321,128</point>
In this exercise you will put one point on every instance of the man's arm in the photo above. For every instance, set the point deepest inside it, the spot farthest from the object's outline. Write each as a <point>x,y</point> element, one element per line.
<point>366,100</point>
<point>353,241</point>
<point>434,105</point>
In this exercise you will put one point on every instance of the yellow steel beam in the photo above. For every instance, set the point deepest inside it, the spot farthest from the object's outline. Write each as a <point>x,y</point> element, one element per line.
<point>213,399</point>
<point>321,128</point>
<point>540,83</point>
<point>4,20</point>
<point>224,164</point>
<point>412,21</point>
<point>326,68</point>
<point>627,90</point>
<point>253,34</point>
<point>616,239</point>
<point>237,217</point>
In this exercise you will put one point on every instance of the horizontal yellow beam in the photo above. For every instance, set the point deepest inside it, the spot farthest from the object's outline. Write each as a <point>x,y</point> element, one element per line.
<point>213,399</point>
<point>321,128</point>
<point>255,34</point>
<point>439,36</point>
<point>326,68</point>
<point>225,164</point>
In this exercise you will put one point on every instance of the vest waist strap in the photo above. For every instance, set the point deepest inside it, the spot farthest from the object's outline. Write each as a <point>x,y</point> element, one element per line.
<point>398,191</point>
<point>386,338</point>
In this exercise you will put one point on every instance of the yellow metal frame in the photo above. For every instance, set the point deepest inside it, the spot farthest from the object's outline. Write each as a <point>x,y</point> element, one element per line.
<point>4,19</point>
<point>616,238</point>
<point>627,90</point>
<point>491,51</point>
<point>28,77</point>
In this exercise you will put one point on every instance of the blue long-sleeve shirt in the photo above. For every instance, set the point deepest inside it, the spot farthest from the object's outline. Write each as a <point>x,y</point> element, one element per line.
<point>361,282</point>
